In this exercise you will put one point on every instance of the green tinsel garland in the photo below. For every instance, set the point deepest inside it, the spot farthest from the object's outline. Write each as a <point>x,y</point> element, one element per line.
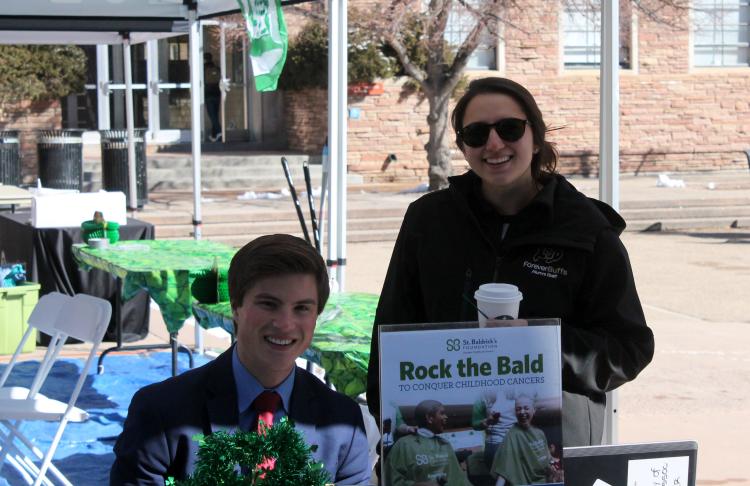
<point>220,453</point>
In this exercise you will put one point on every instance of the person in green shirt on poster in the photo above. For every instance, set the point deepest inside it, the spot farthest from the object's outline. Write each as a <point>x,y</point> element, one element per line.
<point>425,458</point>
<point>524,457</point>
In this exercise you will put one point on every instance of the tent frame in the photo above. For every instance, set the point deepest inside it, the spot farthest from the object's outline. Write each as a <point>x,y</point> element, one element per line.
<point>103,22</point>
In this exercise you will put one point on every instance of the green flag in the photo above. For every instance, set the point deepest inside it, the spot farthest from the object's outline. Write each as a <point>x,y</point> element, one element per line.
<point>268,40</point>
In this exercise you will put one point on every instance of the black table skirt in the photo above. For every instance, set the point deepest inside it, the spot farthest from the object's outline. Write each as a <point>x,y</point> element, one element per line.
<point>49,262</point>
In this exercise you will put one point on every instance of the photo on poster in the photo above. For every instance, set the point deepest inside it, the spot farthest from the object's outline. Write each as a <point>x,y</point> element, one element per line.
<point>463,405</point>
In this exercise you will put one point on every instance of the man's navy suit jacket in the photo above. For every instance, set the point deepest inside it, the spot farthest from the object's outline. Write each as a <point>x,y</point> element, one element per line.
<point>157,438</point>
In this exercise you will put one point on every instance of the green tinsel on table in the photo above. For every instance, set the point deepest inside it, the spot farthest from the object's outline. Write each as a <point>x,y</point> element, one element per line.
<point>220,453</point>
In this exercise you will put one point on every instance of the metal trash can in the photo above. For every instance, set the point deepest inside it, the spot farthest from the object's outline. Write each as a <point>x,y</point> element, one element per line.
<point>115,163</point>
<point>61,159</point>
<point>10,158</point>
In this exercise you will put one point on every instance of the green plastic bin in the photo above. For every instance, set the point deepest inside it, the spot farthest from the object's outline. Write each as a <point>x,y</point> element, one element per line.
<point>16,304</point>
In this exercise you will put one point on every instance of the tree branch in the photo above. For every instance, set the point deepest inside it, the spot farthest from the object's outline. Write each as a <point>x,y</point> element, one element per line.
<point>412,70</point>
<point>661,11</point>
<point>389,24</point>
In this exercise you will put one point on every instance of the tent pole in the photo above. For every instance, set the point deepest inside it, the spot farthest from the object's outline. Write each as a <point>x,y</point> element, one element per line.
<point>195,118</point>
<point>341,161</point>
<point>196,83</point>
<point>334,148</point>
<point>152,86</point>
<point>102,87</point>
<point>224,83</point>
<point>609,150</point>
<point>609,99</point>
<point>133,193</point>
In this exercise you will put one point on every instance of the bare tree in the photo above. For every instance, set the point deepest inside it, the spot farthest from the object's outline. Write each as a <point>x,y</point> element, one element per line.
<point>416,32</point>
<point>671,13</point>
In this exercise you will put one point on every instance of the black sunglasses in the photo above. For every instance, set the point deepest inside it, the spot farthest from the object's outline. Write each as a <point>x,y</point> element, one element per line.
<point>476,134</point>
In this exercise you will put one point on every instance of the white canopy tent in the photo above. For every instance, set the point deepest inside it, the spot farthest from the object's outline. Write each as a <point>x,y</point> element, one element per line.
<point>119,22</point>
<point>133,21</point>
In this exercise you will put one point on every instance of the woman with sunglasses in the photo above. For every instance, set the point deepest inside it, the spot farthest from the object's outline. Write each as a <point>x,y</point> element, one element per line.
<point>512,219</point>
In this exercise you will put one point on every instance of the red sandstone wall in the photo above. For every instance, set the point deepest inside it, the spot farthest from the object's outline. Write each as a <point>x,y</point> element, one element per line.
<point>533,48</point>
<point>27,117</point>
<point>306,119</point>
<point>664,47</point>
<point>673,117</point>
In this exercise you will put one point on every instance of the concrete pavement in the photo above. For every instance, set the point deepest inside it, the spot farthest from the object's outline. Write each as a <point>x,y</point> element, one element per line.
<point>708,200</point>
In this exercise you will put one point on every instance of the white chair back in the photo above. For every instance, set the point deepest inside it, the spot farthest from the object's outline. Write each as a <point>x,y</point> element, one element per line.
<point>82,317</point>
<point>85,318</point>
<point>43,318</point>
<point>45,313</point>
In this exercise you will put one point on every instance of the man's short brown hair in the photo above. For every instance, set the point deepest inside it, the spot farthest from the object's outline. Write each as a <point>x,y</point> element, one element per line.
<point>272,256</point>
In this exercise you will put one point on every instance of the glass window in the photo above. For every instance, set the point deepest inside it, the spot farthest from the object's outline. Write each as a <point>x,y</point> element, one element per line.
<point>116,66</point>
<point>138,60</point>
<point>460,23</point>
<point>79,110</point>
<point>174,66</point>
<point>174,108</point>
<point>582,34</point>
<point>721,32</point>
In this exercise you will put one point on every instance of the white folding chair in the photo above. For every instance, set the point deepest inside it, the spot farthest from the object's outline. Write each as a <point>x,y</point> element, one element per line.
<point>82,317</point>
<point>43,318</point>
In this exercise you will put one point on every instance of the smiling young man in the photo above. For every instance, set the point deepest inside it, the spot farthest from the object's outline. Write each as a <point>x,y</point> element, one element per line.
<point>278,285</point>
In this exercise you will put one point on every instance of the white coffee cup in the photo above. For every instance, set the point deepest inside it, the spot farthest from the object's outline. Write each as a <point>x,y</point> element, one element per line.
<point>497,301</point>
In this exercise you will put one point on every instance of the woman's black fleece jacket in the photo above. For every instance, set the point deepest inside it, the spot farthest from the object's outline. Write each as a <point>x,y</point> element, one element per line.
<point>564,253</point>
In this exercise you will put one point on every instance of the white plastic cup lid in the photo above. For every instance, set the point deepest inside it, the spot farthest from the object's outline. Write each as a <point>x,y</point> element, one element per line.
<point>498,293</point>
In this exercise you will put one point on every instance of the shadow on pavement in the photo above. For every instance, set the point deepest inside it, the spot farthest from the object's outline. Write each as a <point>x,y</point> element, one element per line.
<point>740,237</point>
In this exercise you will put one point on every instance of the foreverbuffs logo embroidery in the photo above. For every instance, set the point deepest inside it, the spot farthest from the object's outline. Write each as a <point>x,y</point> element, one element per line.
<point>548,256</point>
<point>543,261</point>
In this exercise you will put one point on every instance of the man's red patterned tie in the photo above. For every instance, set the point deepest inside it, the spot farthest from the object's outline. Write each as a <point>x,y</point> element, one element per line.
<point>265,405</point>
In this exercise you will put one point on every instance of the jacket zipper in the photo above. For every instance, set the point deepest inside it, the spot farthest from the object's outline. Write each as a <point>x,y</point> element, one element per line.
<point>466,310</point>
<point>498,262</point>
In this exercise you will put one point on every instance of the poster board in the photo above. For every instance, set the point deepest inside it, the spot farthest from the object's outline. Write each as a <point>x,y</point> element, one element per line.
<point>673,463</point>
<point>496,390</point>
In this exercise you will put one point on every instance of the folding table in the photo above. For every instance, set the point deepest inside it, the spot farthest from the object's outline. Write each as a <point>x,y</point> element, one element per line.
<point>50,263</point>
<point>14,196</point>
<point>165,269</point>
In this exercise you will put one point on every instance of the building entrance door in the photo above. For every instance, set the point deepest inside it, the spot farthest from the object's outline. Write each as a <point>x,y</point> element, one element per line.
<point>226,44</point>
<point>161,91</point>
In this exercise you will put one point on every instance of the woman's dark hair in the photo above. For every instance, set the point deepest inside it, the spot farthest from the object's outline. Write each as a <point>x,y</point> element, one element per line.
<point>272,256</point>
<point>545,160</point>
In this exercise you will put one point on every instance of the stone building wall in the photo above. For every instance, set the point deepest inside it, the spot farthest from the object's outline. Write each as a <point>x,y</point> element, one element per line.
<point>28,117</point>
<point>672,117</point>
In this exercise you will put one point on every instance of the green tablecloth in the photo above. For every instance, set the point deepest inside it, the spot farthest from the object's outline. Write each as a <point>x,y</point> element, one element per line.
<point>164,268</point>
<point>341,343</point>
